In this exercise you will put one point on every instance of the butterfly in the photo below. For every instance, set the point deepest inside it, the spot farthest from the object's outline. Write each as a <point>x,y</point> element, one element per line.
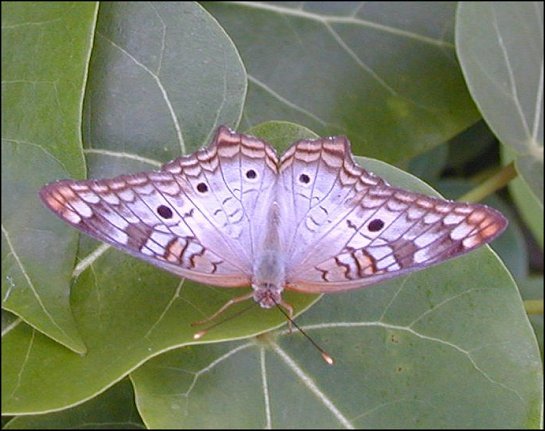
<point>236,214</point>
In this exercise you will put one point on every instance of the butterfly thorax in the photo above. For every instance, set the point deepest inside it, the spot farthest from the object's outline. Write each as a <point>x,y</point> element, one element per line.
<point>269,273</point>
<point>269,278</point>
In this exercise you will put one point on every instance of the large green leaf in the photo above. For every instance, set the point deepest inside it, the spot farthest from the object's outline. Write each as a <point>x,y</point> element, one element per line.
<point>446,348</point>
<point>45,54</point>
<point>385,74</point>
<point>500,46</point>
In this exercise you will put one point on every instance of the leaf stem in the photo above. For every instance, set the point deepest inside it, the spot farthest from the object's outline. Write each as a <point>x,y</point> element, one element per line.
<point>534,306</point>
<point>492,184</point>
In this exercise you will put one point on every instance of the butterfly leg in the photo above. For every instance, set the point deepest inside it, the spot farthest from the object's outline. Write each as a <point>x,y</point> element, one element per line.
<point>223,308</point>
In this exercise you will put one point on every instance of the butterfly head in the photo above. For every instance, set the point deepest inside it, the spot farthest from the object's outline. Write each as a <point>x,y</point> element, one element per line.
<point>267,295</point>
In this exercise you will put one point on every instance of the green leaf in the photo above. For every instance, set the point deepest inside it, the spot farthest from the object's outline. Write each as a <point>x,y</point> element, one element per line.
<point>45,53</point>
<point>446,347</point>
<point>531,289</point>
<point>163,76</point>
<point>429,165</point>
<point>384,74</point>
<point>470,146</point>
<point>529,206</point>
<point>114,409</point>
<point>500,46</point>
<point>8,320</point>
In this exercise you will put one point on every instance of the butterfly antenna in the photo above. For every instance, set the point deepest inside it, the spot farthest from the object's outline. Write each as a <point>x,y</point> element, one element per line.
<point>324,354</point>
<point>200,334</point>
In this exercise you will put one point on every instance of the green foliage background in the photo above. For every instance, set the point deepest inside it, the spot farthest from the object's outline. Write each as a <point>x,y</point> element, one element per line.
<point>92,337</point>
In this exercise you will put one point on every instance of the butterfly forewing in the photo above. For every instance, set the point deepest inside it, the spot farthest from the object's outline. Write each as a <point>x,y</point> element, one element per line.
<point>194,218</point>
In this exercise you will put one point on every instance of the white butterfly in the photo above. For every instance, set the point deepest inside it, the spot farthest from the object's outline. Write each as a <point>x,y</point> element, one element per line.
<point>234,214</point>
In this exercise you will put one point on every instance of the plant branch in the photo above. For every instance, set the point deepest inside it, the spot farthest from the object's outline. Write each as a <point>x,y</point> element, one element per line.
<point>492,184</point>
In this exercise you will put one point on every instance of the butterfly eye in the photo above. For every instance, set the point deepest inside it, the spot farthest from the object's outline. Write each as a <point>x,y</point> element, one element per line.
<point>375,225</point>
<point>251,174</point>
<point>304,178</point>
<point>202,187</point>
<point>164,211</point>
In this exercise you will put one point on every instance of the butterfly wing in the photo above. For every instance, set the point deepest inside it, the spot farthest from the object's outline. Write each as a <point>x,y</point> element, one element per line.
<point>351,229</point>
<point>195,217</point>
